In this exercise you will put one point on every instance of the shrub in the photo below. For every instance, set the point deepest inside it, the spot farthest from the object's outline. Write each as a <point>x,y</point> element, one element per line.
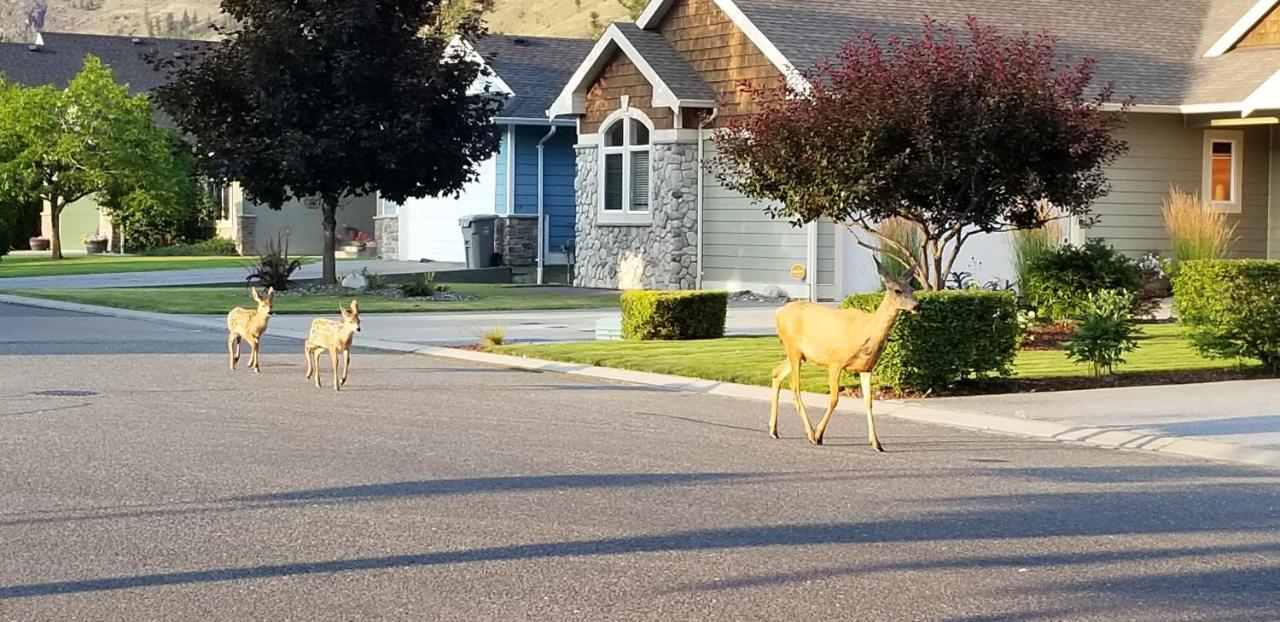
<point>1195,230</point>
<point>1104,332</point>
<point>375,280</point>
<point>219,247</point>
<point>275,268</point>
<point>907,234</point>
<point>956,336</point>
<point>653,315</point>
<point>1059,282</point>
<point>424,287</point>
<point>493,338</point>
<point>1232,307</point>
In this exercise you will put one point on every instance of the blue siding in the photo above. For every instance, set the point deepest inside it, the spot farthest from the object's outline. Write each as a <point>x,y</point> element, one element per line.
<point>526,152</point>
<point>500,194</point>
<point>559,170</point>
<point>558,178</point>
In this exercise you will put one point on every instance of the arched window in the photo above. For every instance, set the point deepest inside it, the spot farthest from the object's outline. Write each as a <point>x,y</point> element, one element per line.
<point>624,165</point>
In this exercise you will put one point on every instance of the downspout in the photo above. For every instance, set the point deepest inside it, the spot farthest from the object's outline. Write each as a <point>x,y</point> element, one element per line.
<point>542,233</point>
<point>702,191</point>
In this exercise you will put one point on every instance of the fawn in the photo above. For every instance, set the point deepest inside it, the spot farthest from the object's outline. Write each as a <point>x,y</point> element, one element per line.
<point>335,337</point>
<point>249,326</point>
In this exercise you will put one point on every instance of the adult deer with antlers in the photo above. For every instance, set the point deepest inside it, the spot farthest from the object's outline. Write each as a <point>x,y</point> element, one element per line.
<point>843,340</point>
<point>248,325</point>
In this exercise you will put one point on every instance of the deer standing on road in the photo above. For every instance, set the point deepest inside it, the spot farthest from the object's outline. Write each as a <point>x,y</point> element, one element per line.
<point>335,337</point>
<point>843,340</point>
<point>248,325</point>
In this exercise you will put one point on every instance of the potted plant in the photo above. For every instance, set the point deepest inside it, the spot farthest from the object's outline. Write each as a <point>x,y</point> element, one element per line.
<point>94,244</point>
<point>39,243</point>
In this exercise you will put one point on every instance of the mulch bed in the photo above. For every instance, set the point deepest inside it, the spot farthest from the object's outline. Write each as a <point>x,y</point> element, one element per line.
<point>1048,336</point>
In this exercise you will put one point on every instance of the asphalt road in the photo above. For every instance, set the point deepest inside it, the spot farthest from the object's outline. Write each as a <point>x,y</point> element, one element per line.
<point>141,480</point>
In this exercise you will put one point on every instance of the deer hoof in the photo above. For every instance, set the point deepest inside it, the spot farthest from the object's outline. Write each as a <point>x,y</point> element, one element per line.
<point>774,434</point>
<point>877,448</point>
<point>817,440</point>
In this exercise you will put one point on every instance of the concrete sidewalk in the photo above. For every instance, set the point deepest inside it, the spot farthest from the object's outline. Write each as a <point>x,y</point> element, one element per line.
<point>1228,421</point>
<point>209,276</point>
<point>456,329</point>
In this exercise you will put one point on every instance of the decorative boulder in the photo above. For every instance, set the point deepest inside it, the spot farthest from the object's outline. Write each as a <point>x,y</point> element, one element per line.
<point>355,281</point>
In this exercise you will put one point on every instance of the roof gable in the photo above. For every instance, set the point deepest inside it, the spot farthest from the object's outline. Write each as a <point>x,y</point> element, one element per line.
<point>62,55</point>
<point>531,69</point>
<point>675,83</point>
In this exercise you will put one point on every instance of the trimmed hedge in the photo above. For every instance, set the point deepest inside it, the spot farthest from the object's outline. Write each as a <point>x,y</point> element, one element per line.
<point>957,335</point>
<point>1232,307</point>
<point>213,247</point>
<point>657,315</point>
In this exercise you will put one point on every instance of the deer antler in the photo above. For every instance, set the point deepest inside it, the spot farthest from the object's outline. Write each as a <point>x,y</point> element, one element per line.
<point>903,253</point>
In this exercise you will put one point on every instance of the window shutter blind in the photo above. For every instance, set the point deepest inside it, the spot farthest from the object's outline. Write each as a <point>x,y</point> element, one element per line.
<point>640,181</point>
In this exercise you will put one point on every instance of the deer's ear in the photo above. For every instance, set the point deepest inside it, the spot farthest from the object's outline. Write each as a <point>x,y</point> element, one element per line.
<point>253,291</point>
<point>271,293</point>
<point>880,267</point>
<point>355,308</point>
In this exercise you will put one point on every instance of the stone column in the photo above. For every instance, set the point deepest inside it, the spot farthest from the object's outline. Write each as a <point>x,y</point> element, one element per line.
<point>659,255</point>
<point>386,234</point>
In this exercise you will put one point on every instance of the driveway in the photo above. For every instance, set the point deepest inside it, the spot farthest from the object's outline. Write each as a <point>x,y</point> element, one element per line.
<point>211,275</point>
<point>141,480</point>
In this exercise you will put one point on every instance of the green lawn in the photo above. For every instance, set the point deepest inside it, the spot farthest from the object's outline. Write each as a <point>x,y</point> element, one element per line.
<point>102,264</point>
<point>218,300</point>
<point>749,360</point>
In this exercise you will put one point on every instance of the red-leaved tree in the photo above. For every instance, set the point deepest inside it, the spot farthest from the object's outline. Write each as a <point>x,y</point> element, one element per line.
<point>958,133</point>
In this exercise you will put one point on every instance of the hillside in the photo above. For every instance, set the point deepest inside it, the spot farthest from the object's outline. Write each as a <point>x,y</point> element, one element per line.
<point>193,18</point>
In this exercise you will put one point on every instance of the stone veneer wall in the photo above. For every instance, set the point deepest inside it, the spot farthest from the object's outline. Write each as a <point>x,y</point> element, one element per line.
<point>661,255</point>
<point>247,234</point>
<point>386,235</point>
<point>516,238</point>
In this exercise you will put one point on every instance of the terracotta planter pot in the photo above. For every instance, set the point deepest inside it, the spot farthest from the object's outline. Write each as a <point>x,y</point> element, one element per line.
<point>95,248</point>
<point>39,244</point>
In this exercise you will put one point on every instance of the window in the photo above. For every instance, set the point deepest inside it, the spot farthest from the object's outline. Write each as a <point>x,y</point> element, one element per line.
<point>1222,181</point>
<point>624,171</point>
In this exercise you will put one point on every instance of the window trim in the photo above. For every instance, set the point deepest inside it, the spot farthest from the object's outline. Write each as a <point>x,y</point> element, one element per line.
<point>1236,139</point>
<point>627,215</point>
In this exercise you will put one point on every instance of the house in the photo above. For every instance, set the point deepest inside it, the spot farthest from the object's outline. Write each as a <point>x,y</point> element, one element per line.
<point>55,59</point>
<point>1205,75</point>
<point>531,174</point>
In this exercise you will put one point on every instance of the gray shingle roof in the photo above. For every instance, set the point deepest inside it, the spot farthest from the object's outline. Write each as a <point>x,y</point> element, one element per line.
<point>1150,49</point>
<point>62,56</point>
<point>535,68</point>
<point>673,69</point>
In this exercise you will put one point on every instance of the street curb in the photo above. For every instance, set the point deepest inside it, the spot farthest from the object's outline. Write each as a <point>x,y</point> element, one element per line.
<point>1104,437</point>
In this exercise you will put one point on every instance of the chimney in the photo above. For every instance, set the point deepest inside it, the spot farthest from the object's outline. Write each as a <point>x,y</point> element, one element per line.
<point>520,42</point>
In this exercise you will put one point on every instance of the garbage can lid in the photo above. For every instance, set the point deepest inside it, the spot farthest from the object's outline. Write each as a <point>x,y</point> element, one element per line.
<point>466,221</point>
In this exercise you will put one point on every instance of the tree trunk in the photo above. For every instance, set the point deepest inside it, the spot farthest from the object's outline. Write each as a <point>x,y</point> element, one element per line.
<point>55,230</point>
<point>330,264</point>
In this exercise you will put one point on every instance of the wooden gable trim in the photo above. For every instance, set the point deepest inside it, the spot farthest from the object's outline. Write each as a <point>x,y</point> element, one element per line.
<point>1242,28</point>
<point>658,9</point>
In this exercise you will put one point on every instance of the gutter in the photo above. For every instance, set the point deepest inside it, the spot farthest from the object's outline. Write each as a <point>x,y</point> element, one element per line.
<point>701,190</point>
<point>542,235</point>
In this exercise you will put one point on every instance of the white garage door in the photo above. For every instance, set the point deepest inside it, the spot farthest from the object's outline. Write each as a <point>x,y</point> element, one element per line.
<point>429,227</point>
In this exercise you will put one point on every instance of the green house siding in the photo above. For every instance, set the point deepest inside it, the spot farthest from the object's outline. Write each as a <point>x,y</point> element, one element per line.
<point>1164,152</point>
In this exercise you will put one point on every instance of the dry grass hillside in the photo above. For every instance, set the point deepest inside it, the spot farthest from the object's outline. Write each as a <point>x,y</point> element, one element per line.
<point>193,18</point>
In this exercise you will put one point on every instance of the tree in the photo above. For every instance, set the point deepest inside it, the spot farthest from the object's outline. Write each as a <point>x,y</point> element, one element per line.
<point>455,16</point>
<point>957,135</point>
<point>157,198</point>
<point>60,146</point>
<point>334,99</point>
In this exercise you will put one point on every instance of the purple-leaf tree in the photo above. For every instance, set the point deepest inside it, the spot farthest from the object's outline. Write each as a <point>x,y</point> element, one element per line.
<point>957,133</point>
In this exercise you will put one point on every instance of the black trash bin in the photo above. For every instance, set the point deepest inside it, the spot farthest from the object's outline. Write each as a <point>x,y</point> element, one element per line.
<point>477,239</point>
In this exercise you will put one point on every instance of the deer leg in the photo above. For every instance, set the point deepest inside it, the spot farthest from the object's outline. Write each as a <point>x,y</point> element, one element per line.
<point>867,398</point>
<point>333,358</point>
<point>253,355</point>
<point>306,353</point>
<point>316,355</point>
<point>779,374</point>
<point>794,363</point>
<point>233,349</point>
<point>833,384</point>
<point>346,365</point>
